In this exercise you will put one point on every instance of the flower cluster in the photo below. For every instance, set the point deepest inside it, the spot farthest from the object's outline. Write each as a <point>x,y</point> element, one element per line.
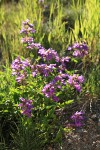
<point>27,27</point>
<point>49,54</point>
<point>27,40</point>
<point>76,81</point>
<point>46,69</point>
<point>34,45</point>
<point>19,68</point>
<point>78,118</point>
<point>80,49</point>
<point>42,69</point>
<point>50,89</point>
<point>50,64</point>
<point>63,63</point>
<point>26,106</point>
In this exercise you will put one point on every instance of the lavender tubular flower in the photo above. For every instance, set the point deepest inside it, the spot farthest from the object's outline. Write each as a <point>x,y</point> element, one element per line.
<point>25,22</point>
<point>18,64</point>
<point>69,48</point>
<point>55,98</point>
<point>34,45</point>
<point>23,30</point>
<point>78,118</point>
<point>75,81</point>
<point>20,78</point>
<point>80,49</point>
<point>26,106</point>
<point>27,28</point>
<point>46,69</point>
<point>19,68</point>
<point>25,63</point>
<point>49,54</point>
<point>63,61</point>
<point>27,40</point>
<point>48,90</point>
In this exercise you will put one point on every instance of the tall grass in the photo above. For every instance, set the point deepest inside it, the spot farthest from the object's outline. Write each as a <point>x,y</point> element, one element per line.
<point>87,27</point>
<point>50,31</point>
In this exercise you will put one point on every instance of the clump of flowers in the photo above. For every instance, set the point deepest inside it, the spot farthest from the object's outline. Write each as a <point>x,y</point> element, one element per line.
<point>26,107</point>
<point>76,81</point>
<point>49,54</point>
<point>27,28</point>
<point>19,69</point>
<point>51,88</point>
<point>51,67</point>
<point>45,69</point>
<point>78,119</point>
<point>80,49</point>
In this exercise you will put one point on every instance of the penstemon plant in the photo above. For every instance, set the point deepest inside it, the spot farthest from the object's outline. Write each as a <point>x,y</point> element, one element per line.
<point>47,82</point>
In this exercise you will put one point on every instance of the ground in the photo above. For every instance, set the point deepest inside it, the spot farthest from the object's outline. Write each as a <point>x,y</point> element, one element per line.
<point>87,137</point>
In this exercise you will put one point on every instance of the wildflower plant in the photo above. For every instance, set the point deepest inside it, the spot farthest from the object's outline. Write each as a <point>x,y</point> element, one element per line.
<point>47,81</point>
<point>80,49</point>
<point>78,119</point>
<point>26,106</point>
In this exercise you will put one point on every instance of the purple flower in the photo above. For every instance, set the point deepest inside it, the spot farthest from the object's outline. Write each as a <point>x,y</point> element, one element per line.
<point>49,54</point>
<point>27,28</point>
<point>25,22</point>
<point>63,61</point>
<point>18,64</point>
<point>20,78</point>
<point>41,52</point>
<point>55,98</point>
<point>46,69</point>
<point>27,40</point>
<point>23,30</point>
<point>69,48</point>
<point>26,106</point>
<point>19,68</point>
<point>80,49</point>
<point>34,45</point>
<point>60,80</point>
<point>78,118</point>
<point>81,79</point>
<point>25,63</point>
<point>34,74</point>
<point>48,90</point>
<point>75,81</point>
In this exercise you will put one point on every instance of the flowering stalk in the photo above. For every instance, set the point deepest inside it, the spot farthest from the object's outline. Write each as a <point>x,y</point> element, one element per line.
<point>80,49</point>
<point>76,81</point>
<point>57,70</point>
<point>19,69</point>
<point>26,107</point>
<point>78,118</point>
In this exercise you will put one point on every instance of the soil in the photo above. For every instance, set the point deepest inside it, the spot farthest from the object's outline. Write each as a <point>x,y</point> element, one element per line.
<point>86,137</point>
